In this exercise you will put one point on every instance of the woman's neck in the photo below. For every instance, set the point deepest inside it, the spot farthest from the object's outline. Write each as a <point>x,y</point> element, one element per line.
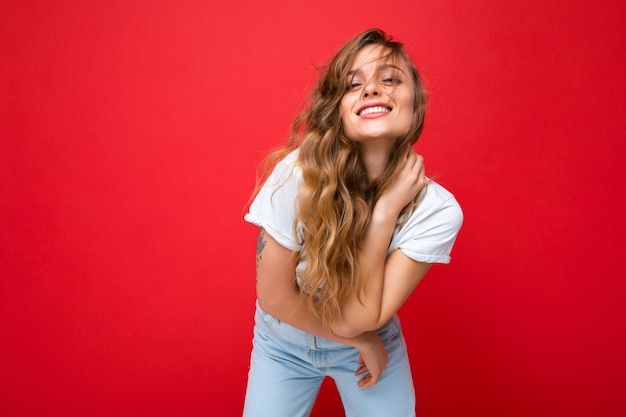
<point>375,158</point>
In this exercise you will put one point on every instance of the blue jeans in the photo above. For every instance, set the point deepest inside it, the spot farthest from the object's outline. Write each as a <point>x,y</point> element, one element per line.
<point>288,366</point>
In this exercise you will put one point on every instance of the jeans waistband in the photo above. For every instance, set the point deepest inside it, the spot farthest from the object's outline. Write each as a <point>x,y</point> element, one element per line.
<point>296,336</point>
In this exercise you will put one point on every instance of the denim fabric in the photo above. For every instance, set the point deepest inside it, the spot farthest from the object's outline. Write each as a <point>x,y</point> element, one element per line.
<point>287,368</point>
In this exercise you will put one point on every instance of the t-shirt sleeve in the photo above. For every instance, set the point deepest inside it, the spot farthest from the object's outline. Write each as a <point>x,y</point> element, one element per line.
<point>273,209</point>
<point>432,230</point>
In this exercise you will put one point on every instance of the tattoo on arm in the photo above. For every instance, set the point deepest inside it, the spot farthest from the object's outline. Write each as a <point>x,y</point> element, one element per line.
<point>260,245</point>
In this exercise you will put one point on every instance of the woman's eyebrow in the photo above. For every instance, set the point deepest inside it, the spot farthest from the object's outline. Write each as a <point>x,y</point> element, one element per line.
<point>385,66</point>
<point>380,68</point>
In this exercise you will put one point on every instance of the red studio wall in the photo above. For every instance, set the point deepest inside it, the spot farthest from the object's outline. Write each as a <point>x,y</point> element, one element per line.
<point>129,136</point>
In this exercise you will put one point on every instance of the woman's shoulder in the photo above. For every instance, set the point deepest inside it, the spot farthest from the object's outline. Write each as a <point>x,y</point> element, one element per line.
<point>429,233</point>
<point>285,173</point>
<point>287,165</point>
<point>437,203</point>
<point>436,193</point>
<point>289,159</point>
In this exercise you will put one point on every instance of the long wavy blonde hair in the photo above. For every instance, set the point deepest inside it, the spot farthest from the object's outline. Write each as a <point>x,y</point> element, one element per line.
<point>336,197</point>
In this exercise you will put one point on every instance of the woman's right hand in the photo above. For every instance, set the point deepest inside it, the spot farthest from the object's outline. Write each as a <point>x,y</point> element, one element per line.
<point>373,357</point>
<point>407,182</point>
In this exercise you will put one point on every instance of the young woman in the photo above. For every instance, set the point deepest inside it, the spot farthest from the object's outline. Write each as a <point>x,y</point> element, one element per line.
<point>348,227</point>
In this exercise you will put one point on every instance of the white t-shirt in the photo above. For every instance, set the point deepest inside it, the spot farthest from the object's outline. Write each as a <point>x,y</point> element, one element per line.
<point>427,236</point>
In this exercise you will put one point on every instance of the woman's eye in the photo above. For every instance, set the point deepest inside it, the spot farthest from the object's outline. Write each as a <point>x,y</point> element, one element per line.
<point>353,86</point>
<point>391,81</point>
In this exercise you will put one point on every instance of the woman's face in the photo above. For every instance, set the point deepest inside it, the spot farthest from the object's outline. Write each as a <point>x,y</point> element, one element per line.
<point>378,104</point>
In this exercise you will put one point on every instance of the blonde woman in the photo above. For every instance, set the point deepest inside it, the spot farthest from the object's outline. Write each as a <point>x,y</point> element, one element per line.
<point>349,226</point>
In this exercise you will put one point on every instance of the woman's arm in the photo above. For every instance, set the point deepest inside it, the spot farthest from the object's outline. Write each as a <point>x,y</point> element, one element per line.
<point>390,280</point>
<point>401,275</point>
<point>277,293</point>
<point>278,296</point>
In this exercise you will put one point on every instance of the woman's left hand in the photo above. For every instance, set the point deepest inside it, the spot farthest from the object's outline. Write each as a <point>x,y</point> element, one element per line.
<point>374,359</point>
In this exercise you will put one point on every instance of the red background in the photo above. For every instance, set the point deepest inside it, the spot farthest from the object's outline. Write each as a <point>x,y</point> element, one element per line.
<point>129,136</point>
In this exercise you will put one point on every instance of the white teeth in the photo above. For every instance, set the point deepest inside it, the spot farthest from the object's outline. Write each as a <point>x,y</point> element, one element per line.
<point>375,109</point>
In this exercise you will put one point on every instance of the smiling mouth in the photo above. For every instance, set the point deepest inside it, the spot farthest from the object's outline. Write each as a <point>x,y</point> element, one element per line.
<point>375,109</point>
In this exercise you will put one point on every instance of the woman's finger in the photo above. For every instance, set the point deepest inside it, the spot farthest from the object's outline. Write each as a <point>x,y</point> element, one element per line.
<point>361,370</point>
<point>365,382</point>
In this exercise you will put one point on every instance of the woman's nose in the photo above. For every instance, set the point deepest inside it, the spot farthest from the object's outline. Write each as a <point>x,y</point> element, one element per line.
<point>371,88</point>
